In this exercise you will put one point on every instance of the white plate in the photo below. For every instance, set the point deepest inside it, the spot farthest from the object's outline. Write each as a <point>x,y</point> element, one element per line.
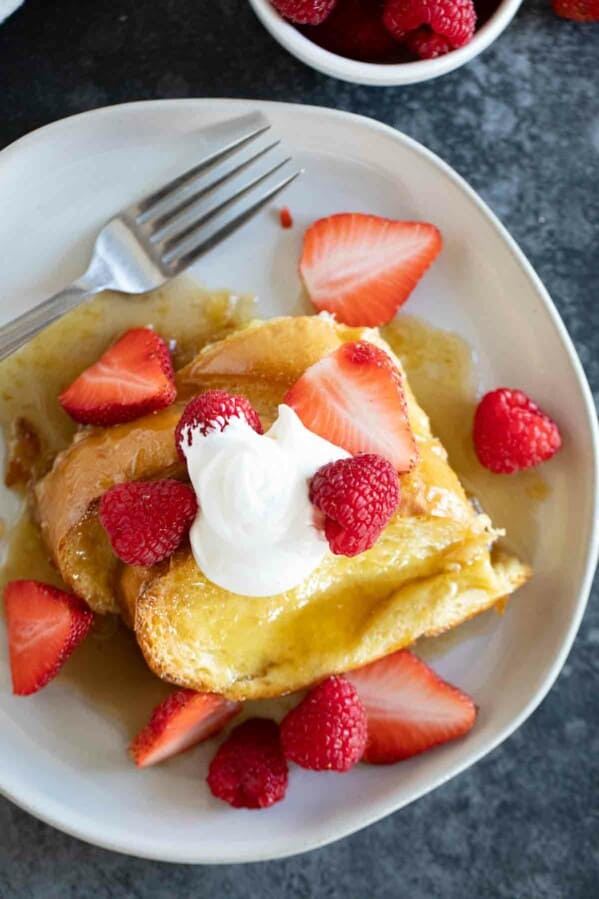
<point>61,758</point>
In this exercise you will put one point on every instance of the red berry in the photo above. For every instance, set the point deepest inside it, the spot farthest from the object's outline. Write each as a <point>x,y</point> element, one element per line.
<point>355,29</point>
<point>512,433</point>
<point>133,378</point>
<point>304,12</point>
<point>359,497</point>
<point>578,10</point>
<point>212,411</point>
<point>44,626</point>
<point>146,520</point>
<point>249,769</point>
<point>182,720</point>
<point>355,399</point>
<point>327,731</point>
<point>426,44</point>
<point>409,708</point>
<point>453,19</point>
<point>362,268</point>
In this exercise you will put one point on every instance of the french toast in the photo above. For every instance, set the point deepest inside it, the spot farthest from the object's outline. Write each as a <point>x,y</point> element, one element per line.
<point>432,568</point>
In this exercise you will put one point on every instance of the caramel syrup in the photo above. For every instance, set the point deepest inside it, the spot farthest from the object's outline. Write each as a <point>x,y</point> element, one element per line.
<point>440,369</point>
<point>31,380</point>
<point>108,668</point>
<point>441,372</point>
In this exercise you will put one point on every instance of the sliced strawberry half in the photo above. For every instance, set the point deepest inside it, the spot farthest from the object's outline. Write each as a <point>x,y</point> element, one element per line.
<point>354,398</point>
<point>362,268</point>
<point>410,709</point>
<point>44,627</point>
<point>182,720</point>
<point>134,377</point>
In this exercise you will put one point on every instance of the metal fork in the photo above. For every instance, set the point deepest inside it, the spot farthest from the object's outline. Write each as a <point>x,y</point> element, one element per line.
<point>159,237</point>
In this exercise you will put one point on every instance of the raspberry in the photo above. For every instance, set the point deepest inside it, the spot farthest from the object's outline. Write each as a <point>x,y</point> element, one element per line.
<point>578,10</point>
<point>146,521</point>
<point>512,433</point>
<point>453,19</point>
<point>327,731</point>
<point>426,44</point>
<point>304,12</point>
<point>355,29</point>
<point>213,411</point>
<point>359,497</point>
<point>249,769</point>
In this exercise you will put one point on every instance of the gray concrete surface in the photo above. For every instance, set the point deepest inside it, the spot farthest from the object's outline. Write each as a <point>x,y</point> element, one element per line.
<point>521,124</point>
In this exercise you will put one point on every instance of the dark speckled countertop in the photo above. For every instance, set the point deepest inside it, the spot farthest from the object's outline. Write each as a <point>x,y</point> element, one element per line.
<point>521,124</point>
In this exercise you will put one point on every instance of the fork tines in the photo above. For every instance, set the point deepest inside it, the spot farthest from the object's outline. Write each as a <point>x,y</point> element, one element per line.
<point>244,167</point>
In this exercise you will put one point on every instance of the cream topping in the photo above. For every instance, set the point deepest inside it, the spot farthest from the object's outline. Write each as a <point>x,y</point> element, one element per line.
<point>255,533</point>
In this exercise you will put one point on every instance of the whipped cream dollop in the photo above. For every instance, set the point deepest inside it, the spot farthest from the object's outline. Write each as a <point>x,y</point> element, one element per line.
<point>255,531</point>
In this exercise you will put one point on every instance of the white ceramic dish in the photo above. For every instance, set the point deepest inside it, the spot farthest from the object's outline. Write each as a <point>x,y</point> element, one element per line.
<point>63,759</point>
<point>377,73</point>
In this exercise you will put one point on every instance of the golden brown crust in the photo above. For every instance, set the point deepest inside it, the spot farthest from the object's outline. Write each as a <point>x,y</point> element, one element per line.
<point>96,460</point>
<point>329,631</point>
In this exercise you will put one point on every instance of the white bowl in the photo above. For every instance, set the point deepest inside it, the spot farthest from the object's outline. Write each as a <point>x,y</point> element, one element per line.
<point>381,74</point>
<point>62,755</point>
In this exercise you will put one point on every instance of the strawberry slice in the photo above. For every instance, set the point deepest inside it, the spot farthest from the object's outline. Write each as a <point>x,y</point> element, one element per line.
<point>362,268</point>
<point>410,709</point>
<point>354,398</point>
<point>182,720</point>
<point>44,627</point>
<point>134,377</point>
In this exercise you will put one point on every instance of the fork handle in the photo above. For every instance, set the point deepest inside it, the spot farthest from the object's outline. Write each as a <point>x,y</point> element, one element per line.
<point>22,329</point>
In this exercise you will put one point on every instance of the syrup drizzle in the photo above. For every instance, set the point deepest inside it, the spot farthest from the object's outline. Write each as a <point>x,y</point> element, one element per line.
<point>108,668</point>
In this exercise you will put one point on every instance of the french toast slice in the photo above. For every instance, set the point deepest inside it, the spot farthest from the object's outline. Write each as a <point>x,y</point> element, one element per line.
<point>431,569</point>
<point>346,614</point>
<point>144,449</point>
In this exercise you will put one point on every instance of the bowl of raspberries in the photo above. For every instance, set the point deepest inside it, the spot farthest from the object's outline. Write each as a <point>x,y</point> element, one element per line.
<point>385,42</point>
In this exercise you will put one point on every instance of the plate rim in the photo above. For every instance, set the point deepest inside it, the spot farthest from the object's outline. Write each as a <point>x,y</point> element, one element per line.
<point>387,806</point>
